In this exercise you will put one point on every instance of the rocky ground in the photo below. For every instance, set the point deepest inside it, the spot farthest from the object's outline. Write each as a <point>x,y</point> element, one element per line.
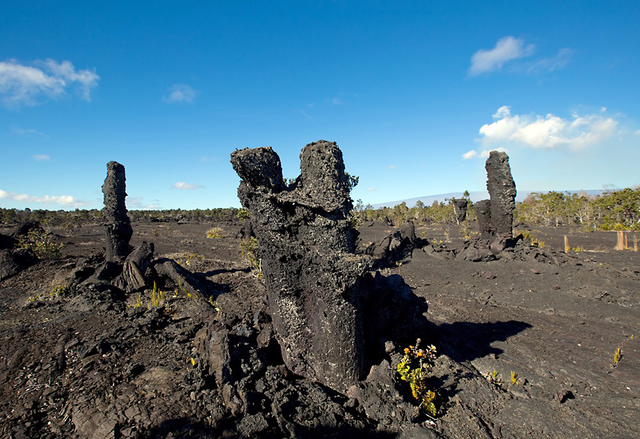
<point>526,345</point>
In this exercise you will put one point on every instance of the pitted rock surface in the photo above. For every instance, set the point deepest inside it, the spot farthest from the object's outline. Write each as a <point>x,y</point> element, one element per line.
<point>495,216</point>
<point>460,209</point>
<point>502,193</point>
<point>117,223</point>
<point>307,248</point>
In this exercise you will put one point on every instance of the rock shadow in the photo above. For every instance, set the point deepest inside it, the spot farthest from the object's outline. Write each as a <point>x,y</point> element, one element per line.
<point>466,341</point>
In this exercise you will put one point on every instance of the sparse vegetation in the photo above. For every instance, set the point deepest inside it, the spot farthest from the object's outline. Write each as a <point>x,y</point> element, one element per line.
<point>617,356</point>
<point>42,242</point>
<point>249,250</point>
<point>54,293</point>
<point>158,297</point>
<point>215,233</point>
<point>414,368</point>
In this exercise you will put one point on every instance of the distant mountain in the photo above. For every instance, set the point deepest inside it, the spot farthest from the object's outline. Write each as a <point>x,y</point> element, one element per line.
<point>428,200</point>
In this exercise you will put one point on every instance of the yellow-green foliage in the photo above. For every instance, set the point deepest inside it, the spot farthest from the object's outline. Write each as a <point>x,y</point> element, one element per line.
<point>533,239</point>
<point>617,356</point>
<point>514,378</point>
<point>243,214</point>
<point>189,259</point>
<point>54,293</point>
<point>414,369</point>
<point>42,243</point>
<point>158,297</point>
<point>215,233</point>
<point>249,250</point>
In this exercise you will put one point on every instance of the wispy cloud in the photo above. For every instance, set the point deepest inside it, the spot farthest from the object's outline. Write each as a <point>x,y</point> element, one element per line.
<point>371,189</point>
<point>22,84</point>
<point>306,115</point>
<point>547,131</point>
<point>181,185</point>
<point>138,203</point>
<point>208,159</point>
<point>550,64</point>
<point>392,166</point>
<point>41,157</point>
<point>28,133</point>
<point>180,93</point>
<point>336,101</point>
<point>506,49</point>
<point>637,133</point>
<point>484,154</point>
<point>46,200</point>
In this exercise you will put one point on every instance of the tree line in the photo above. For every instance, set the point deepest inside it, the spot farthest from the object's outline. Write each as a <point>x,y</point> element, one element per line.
<point>611,210</point>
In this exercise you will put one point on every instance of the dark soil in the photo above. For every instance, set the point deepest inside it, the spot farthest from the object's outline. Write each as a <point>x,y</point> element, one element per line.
<point>94,364</point>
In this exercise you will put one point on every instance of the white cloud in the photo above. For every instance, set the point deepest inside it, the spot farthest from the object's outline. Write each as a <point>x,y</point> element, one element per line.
<point>393,166</point>
<point>62,200</point>
<point>41,157</point>
<point>181,185</point>
<point>637,133</point>
<point>306,115</point>
<point>336,101</point>
<point>371,189</point>
<point>548,131</point>
<point>506,49</point>
<point>484,154</point>
<point>469,155</point>
<point>26,84</point>
<point>180,93</point>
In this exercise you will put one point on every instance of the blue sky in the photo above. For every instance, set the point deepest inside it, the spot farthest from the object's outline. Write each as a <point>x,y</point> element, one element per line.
<point>414,92</point>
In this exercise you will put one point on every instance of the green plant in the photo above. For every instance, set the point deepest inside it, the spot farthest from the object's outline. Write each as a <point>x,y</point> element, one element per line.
<point>533,239</point>
<point>617,356</point>
<point>243,214</point>
<point>41,242</point>
<point>414,368</point>
<point>158,297</point>
<point>54,293</point>
<point>249,250</point>
<point>215,233</point>
<point>189,259</point>
<point>494,378</point>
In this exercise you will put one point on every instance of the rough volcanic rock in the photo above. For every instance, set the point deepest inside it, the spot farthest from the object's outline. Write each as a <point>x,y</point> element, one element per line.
<point>502,193</point>
<point>118,226</point>
<point>134,271</point>
<point>310,270</point>
<point>460,209</point>
<point>495,216</point>
<point>14,261</point>
<point>7,242</point>
<point>396,246</point>
<point>483,211</point>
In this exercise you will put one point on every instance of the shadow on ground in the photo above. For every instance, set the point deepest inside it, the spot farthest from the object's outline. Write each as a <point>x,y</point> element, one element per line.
<point>466,341</point>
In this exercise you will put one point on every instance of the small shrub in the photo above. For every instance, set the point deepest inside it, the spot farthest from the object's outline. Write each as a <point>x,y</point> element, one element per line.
<point>249,249</point>
<point>158,297</point>
<point>414,369</point>
<point>215,233</point>
<point>243,214</point>
<point>54,293</point>
<point>41,242</point>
